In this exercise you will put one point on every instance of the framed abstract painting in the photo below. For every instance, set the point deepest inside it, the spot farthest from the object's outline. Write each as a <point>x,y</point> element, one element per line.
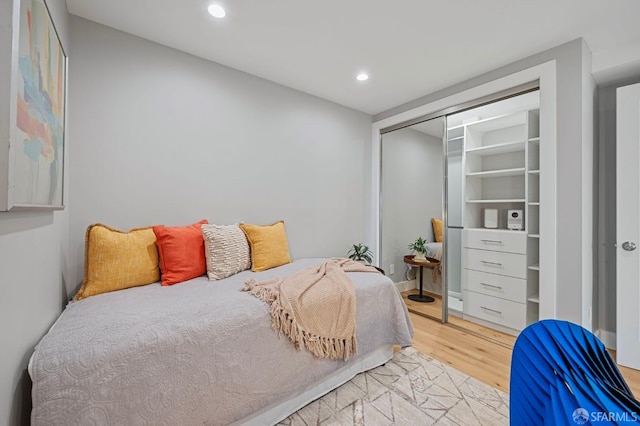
<point>32,173</point>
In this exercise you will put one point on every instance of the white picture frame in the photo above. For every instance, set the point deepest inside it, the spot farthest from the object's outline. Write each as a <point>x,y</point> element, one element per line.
<point>32,172</point>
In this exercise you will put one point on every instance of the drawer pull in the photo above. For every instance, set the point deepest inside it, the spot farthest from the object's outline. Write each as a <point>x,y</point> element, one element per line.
<point>491,310</point>
<point>491,263</point>
<point>497,287</point>
<point>492,241</point>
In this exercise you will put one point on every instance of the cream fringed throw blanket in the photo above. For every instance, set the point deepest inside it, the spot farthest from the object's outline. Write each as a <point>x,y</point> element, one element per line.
<point>316,307</point>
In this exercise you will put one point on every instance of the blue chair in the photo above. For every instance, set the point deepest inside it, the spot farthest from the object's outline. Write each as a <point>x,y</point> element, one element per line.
<point>561,374</point>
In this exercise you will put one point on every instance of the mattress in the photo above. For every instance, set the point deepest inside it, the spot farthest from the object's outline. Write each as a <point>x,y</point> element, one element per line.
<point>197,352</point>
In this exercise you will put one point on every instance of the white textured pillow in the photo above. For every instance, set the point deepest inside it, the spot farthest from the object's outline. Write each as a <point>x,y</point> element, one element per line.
<point>226,249</point>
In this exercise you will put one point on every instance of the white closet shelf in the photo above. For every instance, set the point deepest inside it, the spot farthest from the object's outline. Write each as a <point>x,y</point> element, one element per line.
<point>457,138</point>
<point>533,203</point>
<point>509,200</point>
<point>535,298</point>
<point>536,139</point>
<point>534,172</point>
<point>501,148</point>
<point>519,171</point>
<point>534,235</point>
<point>535,267</point>
<point>498,122</point>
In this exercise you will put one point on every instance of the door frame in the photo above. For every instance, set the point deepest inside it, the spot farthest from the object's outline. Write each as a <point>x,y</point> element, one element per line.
<point>546,74</point>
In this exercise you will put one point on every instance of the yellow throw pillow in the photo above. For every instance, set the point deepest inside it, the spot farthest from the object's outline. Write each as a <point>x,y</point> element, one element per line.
<point>437,229</point>
<point>115,260</point>
<point>269,246</point>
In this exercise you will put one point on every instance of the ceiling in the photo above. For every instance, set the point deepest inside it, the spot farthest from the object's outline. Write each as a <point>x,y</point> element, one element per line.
<point>410,48</point>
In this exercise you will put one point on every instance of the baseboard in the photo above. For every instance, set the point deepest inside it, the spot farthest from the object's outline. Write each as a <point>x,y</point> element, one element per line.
<point>406,285</point>
<point>607,337</point>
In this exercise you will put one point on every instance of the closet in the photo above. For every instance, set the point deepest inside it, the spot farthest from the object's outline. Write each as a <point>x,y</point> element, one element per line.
<point>500,212</point>
<point>498,207</point>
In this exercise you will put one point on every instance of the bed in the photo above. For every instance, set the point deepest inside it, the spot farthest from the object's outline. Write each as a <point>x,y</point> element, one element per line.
<point>197,353</point>
<point>434,250</point>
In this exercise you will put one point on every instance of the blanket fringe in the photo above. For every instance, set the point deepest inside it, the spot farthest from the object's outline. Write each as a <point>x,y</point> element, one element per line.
<point>263,293</point>
<point>282,322</point>
<point>320,346</point>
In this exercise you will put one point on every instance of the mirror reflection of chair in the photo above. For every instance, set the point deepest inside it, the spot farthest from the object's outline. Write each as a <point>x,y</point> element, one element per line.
<point>562,374</point>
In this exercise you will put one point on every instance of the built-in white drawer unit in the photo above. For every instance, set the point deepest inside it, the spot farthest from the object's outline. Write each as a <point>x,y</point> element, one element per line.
<point>494,309</point>
<point>495,277</point>
<point>514,289</point>
<point>510,264</point>
<point>495,240</point>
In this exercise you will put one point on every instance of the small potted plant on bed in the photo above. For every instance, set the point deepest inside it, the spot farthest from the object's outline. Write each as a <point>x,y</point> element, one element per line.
<point>360,253</point>
<point>419,247</point>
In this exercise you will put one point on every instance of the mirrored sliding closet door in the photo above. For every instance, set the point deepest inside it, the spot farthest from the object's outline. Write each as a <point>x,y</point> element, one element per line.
<point>411,213</point>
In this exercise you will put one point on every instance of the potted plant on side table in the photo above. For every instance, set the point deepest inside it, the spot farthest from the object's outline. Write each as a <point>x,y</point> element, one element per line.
<point>419,247</point>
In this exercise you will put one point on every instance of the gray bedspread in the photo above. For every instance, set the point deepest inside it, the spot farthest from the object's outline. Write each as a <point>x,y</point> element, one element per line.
<point>200,352</point>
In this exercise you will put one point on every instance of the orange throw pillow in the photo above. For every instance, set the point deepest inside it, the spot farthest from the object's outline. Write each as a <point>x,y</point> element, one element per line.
<point>181,250</point>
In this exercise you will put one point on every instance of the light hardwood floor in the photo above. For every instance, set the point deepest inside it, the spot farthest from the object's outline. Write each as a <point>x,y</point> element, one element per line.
<point>486,359</point>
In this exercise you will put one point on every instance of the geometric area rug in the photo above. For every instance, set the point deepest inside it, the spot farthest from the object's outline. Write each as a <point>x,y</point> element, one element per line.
<point>410,389</point>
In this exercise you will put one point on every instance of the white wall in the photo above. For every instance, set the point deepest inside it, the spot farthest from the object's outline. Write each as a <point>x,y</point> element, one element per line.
<point>411,193</point>
<point>32,271</point>
<point>165,137</point>
<point>574,249</point>
<point>606,251</point>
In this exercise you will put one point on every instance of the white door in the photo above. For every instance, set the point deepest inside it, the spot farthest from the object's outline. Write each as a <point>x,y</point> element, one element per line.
<point>628,226</point>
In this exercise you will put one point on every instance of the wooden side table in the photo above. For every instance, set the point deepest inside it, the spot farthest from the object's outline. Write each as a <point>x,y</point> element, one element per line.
<point>431,263</point>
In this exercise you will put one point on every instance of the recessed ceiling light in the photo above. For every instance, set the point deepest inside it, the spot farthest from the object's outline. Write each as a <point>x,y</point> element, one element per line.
<point>363,76</point>
<point>216,11</point>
